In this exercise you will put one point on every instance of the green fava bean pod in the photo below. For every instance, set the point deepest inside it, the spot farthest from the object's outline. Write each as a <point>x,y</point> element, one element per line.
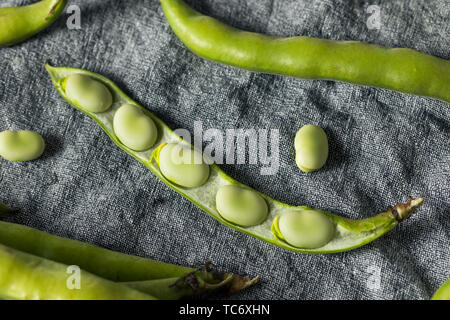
<point>88,93</point>
<point>349,234</point>
<point>399,69</point>
<point>22,145</point>
<point>19,23</point>
<point>241,206</point>
<point>311,148</point>
<point>135,129</point>
<point>182,165</point>
<point>160,280</point>
<point>304,228</point>
<point>443,293</point>
<point>27,277</point>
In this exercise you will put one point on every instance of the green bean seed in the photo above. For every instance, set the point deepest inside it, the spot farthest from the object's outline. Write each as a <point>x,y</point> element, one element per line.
<point>305,228</point>
<point>311,147</point>
<point>241,206</point>
<point>88,93</point>
<point>134,129</point>
<point>22,145</point>
<point>183,165</point>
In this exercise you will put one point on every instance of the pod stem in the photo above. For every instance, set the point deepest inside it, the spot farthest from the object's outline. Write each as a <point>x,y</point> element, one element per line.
<point>403,211</point>
<point>208,278</point>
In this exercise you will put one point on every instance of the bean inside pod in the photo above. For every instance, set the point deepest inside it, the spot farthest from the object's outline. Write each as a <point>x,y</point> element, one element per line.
<point>134,129</point>
<point>241,206</point>
<point>304,228</point>
<point>183,165</point>
<point>88,93</point>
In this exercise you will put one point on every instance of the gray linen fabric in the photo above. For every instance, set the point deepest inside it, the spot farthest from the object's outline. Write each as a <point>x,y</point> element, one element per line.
<point>384,145</point>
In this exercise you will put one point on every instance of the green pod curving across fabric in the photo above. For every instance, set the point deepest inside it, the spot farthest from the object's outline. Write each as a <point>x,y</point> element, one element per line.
<point>399,69</point>
<point>347,234</point>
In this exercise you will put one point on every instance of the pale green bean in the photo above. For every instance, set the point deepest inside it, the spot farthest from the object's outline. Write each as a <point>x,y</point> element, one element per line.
<point>311,148</point>
<point>89,93</point>
<point>22,145</point>
<point>134,129</point>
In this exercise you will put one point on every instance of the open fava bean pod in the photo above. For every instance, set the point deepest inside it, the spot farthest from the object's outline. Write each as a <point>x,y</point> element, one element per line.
<point>172,160</point>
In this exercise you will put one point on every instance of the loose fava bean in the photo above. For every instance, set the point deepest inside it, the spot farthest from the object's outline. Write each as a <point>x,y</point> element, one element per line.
<point>241,206</point>
<point>22,145</point>
<point>88,93</point>
<point>305,228</point>
<point>311,148</point>
<point>134,129</point>
<point>183,165</point>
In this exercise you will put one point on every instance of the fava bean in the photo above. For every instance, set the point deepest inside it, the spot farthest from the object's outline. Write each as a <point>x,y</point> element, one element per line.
<point>304,228</point>
<point>200,183</point>
<point>22,145</point>
<point>241,206</point>
<point>183,165</point>
<point>19,23</point>
<point>400,69</point>
<point>134,129</point>
<point>88,93</point>
<point>311,148</point>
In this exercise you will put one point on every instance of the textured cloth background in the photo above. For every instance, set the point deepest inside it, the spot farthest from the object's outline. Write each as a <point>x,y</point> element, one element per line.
<point>384,145</point>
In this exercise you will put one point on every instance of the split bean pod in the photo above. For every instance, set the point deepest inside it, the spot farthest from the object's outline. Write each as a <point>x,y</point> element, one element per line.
<point>182,168</point>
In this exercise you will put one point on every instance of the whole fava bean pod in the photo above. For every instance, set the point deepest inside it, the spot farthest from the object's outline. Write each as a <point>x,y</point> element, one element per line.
<point>349,233</point>
<point>311,148</point>
<point>241,206</point>
<point>304,228</point>
<point>27,277</point>
<point>19,23</point>
<point>443,293</point>
<point>134,129</point>
<point>88,93</point>
<point>105,263</point>
<point>22,145</point>
<point>183,165</point>
<point>160,280</point>
<point>399,69</point>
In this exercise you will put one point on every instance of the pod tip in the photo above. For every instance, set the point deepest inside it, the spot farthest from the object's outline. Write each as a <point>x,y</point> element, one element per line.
<point>403,211</point>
